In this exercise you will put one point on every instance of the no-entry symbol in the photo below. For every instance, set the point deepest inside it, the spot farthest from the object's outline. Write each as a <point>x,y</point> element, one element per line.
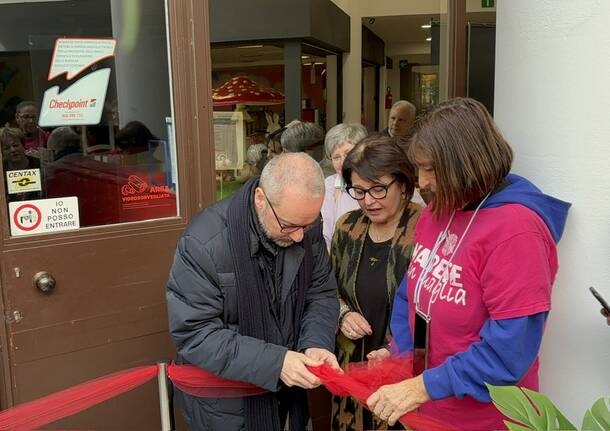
<point>44,215</point>
<point>27,217</point>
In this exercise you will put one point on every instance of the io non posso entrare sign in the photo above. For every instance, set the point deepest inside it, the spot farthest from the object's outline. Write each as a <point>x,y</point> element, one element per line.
<point>44,215</point>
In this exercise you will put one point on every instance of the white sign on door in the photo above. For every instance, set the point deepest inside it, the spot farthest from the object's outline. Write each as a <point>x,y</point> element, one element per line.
<point>73,55</point>
<point>81,103</point>
<point>44,215</point>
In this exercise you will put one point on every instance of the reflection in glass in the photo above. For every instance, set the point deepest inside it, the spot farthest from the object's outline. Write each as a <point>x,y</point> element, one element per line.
<point>19,168</point>
<point>90,97</point>
<point>249,119</point>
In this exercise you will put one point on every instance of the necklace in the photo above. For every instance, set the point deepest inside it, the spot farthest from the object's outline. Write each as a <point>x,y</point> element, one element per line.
<point>379,234</point>
<point>388,230</point>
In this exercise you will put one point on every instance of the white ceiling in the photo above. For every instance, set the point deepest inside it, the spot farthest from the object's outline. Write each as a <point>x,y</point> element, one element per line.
<point>248,54</point>
<point>407,28</point>
<point>394,30</point>
<point>254,55</point>
<point>400,29</point>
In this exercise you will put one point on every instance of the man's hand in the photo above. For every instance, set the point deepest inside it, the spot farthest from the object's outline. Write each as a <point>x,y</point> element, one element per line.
<point>390,402</point>
<point>354,326</point>
<point>295,373</point>
<point>378,355</point>
<point>324,356</point>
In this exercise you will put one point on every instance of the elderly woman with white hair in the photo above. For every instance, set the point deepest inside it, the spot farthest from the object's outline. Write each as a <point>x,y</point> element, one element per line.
<point>338,143</point>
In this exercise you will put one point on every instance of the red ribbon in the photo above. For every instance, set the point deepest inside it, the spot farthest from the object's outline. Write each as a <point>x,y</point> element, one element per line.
<point>200,383</point>
<point>362,379</point>
<point>359,381</point>
<point>37,413</point>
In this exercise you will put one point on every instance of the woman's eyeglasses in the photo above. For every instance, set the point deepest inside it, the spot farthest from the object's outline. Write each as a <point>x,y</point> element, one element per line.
<point>376,192</point>
<point>338,157</point>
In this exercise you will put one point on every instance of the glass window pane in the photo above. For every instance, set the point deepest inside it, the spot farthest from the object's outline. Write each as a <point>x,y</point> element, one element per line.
<point>248,83</point>
<point>248,100</point>
<point>86,99</point>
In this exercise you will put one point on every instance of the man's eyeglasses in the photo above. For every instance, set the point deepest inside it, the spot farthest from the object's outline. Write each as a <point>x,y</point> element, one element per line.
<point>376,192</point>
<point>292,228</point>
<point>28,117</point>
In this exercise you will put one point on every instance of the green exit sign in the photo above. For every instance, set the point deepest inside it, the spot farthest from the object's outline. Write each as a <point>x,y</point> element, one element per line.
<point>487,3</point>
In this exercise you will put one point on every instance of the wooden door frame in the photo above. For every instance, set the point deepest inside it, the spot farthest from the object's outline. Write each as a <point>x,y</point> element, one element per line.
<point>189,43</point>
<point>457,48</point>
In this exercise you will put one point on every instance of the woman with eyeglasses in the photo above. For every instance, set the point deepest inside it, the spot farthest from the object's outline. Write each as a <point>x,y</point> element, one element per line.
<point>26,117</point>
<point>338,142</point>
<point>370,252</point>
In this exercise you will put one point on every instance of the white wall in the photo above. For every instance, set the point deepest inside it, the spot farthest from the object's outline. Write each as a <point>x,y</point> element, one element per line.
<point>552,101</point>
<point>369,84</point>
<point>331,91</point>
<point>352,63</point>
<point>402,49</point>
<point>397,7</point>
<point>383,84</point>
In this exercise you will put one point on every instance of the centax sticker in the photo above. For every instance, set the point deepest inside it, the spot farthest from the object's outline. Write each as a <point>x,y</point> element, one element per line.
<point>21,181</point>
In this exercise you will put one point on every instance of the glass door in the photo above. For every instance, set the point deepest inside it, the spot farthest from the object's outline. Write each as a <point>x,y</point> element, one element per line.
<point>87,136</point>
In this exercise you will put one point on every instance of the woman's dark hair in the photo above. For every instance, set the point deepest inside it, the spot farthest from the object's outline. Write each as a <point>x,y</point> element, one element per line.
<point>377,156</point>
<point>469,155</point>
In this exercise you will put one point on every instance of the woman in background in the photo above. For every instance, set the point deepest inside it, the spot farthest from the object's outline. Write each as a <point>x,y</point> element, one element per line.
<point>338,142</point>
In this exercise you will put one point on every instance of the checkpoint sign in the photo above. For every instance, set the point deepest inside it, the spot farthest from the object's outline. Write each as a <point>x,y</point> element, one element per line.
<point>44,215</point>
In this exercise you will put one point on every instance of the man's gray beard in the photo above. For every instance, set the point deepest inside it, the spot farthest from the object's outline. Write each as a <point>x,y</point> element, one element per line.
<point>278,242</point>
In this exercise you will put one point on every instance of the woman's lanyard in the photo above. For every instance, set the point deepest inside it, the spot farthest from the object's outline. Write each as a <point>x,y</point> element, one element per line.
<point>442,236</point>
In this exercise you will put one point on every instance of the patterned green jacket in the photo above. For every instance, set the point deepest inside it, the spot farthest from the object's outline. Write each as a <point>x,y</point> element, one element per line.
<point>346,249</point>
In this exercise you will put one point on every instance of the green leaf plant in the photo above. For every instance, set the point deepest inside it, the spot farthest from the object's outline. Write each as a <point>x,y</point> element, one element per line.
<point>528,410</point>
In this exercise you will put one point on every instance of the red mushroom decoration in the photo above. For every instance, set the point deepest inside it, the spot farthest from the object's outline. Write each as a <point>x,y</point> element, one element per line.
<point>242,90</point>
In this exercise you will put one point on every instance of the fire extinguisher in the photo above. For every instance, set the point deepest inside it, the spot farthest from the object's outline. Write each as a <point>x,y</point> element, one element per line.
<point>388,99</point>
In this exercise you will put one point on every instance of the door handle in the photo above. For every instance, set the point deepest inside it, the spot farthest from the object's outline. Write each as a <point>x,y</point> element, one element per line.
<point>44,281</point>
